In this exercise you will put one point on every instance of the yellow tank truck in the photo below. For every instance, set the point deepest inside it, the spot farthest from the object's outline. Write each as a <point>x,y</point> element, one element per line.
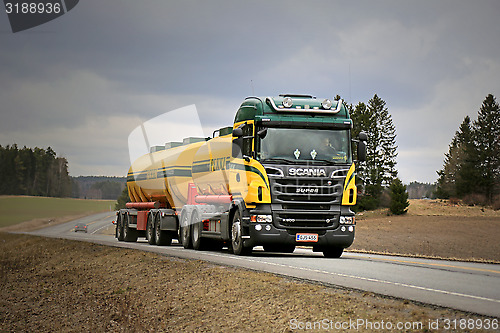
<point>283,175</point>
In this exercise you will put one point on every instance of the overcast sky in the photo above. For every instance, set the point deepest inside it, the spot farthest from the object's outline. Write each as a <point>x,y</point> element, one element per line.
<point>82,82</point>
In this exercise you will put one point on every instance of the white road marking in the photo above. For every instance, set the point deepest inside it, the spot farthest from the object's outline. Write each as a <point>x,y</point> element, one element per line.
<point>364,279</point>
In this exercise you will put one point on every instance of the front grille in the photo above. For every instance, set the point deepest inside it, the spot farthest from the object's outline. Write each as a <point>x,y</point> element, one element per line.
<point>306,219</point>
<point>304,206</point>
<point>306,203</point>
<point>315,191</point>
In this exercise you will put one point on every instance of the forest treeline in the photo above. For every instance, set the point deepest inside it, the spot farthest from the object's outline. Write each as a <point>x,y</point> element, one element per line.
<point>471,169</point>
<point>40,172</point>
<point>33,171</point>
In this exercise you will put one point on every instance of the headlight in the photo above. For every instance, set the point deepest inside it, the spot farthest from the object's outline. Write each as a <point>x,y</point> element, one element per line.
<point>347,220</point>
<point>264,218</point>
<point>287,102</point>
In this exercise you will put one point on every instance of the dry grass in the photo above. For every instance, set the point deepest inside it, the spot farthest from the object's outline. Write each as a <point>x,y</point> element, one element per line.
<point>49,285</point>
<point>432,229</point>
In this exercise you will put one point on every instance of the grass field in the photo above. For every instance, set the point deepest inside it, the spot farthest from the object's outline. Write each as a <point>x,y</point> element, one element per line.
<point>16,209</point>
<point>432,228</point>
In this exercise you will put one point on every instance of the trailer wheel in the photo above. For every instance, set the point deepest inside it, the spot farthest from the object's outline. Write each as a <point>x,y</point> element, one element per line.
<point>162,237</point>
<point>196,229</point>
<point>129,234</point>
<point>150,230</point>
<point>119,227</point>
<point>334,252</point>
<point>185,232</point>
<point>236,236</point>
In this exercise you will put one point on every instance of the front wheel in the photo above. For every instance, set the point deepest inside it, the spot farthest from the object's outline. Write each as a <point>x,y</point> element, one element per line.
<point>279,248</point>
<point>334,252</point>
<point>237,241</point>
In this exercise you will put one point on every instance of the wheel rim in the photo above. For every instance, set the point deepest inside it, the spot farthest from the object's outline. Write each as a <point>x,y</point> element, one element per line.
<point>119,230</point>
<point>184,234</point>
<point>150,228</point>
<point>236,233</point>
<point>195,231</point>
<point>157,229</point>
<point>125,226</point>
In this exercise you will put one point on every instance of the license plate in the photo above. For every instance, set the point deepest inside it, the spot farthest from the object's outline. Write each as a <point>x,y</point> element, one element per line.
<point>306,237</point>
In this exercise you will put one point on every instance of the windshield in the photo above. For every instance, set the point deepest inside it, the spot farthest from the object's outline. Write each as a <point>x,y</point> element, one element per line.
<point>297,144</point>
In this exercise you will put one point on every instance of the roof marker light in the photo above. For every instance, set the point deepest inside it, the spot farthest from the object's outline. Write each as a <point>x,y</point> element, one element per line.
<point>326,104</point>
<point>287,102</point>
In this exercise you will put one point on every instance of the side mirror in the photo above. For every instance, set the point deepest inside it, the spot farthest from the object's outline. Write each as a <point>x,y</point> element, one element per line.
<point>237,132</point>
<point>361,150</point>
<point>262,133</point>
<point>362,136</point>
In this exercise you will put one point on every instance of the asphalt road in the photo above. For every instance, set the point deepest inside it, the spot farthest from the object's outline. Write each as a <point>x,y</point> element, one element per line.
<point>472,287</point>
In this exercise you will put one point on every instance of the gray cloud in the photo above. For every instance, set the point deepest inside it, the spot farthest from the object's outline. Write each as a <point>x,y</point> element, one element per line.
<point>82,82</point>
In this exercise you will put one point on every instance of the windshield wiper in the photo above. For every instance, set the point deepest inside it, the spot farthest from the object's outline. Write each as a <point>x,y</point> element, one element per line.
<point>277,159</point>
<point>321,160</point>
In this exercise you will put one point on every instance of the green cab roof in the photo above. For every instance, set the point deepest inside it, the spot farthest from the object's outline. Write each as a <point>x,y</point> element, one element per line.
<point>302,108</point>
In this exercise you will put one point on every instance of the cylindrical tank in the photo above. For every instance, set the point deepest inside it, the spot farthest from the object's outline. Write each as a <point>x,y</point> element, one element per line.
<point>165,175</point>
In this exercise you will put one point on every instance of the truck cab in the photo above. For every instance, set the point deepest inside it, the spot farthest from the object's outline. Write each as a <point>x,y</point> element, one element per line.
<point>305,147</point>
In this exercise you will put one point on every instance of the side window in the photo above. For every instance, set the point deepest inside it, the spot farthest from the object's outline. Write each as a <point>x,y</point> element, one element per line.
<point>247,143</point>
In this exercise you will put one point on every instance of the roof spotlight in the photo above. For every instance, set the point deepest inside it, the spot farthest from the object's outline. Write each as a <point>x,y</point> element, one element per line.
<point>326,104</point>
<point>287,102</point>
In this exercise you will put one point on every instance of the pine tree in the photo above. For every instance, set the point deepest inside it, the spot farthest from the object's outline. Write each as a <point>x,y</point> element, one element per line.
<point>466,177</point>
<point>122,199</point>
<point>487,135</point>
<point>472,164</point>
<point>361,119</point>
<point>379,169</point>
<point>457,176</point>
<point>399,198</point>
<point>445,188</point>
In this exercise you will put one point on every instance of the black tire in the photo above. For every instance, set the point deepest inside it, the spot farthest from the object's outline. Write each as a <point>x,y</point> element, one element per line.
<point>163,238</point>
<point>213,244</point>
<point>237,241</point>
<point>150,230</point>
<point>185,233</point>
<point>129,234</point>
<point>119,228</point>
<point>196,230</point>
<point>334,252</point>
<point>279,248</point>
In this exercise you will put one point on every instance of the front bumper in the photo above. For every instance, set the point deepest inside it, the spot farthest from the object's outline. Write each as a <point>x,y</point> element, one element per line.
<point>339,235</point>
